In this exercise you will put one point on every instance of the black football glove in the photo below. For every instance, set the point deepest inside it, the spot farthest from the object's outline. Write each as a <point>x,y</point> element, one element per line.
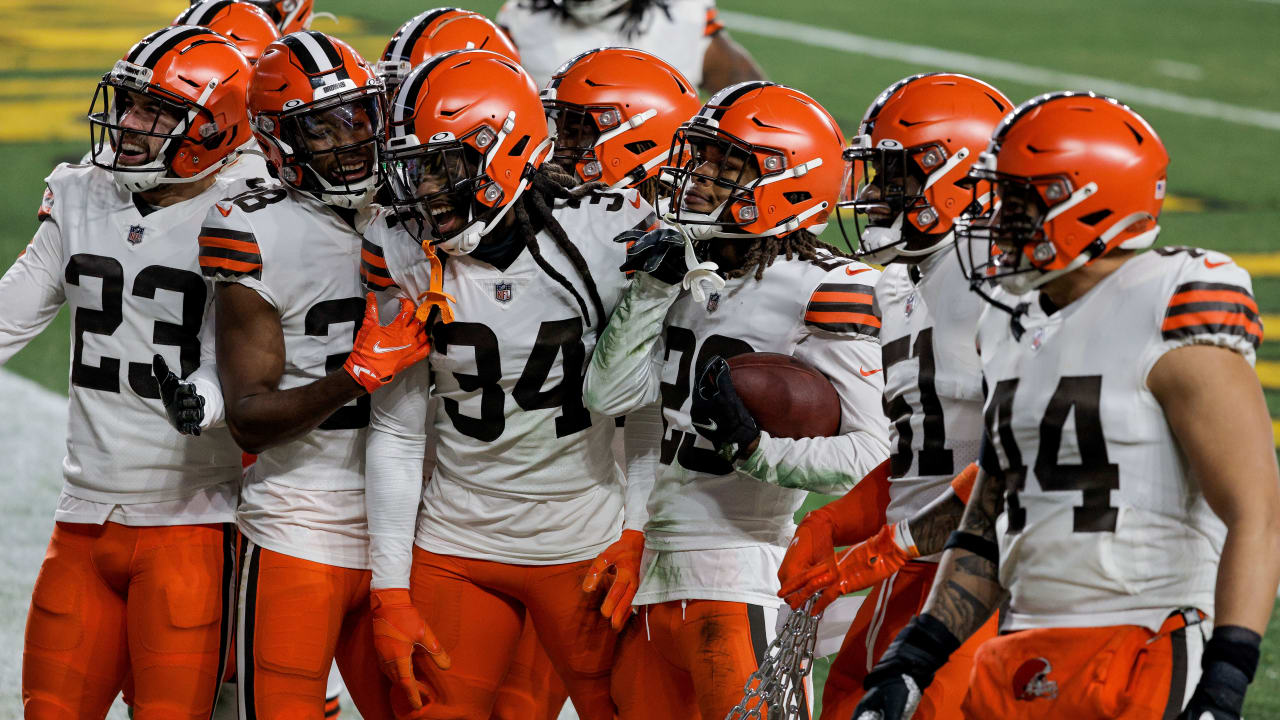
<point>1230,659</point>
<point>895,685</point>
<point>182,403</point>
<point>718,413</point>
<point>660,253</point>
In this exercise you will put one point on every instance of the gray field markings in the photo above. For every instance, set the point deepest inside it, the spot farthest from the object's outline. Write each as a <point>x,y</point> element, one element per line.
<point>992,69</point>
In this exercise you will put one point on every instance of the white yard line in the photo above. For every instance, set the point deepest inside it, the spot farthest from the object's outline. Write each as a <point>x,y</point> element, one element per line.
<point>992,69</point>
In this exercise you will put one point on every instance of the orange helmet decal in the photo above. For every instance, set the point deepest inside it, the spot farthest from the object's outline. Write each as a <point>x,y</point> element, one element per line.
<point>197,79</point>
<point>1075,175</point>
<point>615,110</point>
<point>466,132</point>
<point>914,148</point>
<point>438,31</point>
<point>244,24</point>
<point>773,148</point>
<point>289,15</point>
<point>318,113</point>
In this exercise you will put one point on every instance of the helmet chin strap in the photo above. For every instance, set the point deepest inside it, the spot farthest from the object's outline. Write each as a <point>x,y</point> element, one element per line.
<point>699,277</point>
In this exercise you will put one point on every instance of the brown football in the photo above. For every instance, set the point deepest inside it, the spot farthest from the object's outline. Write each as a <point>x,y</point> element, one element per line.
<point>787,397</point>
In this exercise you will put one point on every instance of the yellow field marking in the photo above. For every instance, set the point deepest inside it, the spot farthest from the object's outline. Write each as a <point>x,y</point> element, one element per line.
<point>1268,374</point>
<point>51,87</point>
<point>50,119</point>
<point>1259,264</point>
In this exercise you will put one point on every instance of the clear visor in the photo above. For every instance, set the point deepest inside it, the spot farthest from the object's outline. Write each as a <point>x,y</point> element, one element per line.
<point>338,142</point>
<point>714,172</point>
<point>438,184</point>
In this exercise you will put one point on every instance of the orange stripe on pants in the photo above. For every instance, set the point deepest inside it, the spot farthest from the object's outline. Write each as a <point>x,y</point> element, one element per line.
<point>113,601</point>
<point>477,610</point>
<point>296,618</point>
<point>886,610</point>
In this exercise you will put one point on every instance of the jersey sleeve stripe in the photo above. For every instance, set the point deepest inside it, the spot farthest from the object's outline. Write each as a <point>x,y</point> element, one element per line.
<point>211,267</point>
<point>1227,295</point>
<point>1211,319</point>
<point>374,261</point>
<point>374,250</point>
<point>226,252</point>
<point>854,318</point>
<point>1200,307</point>
<point>841,297</point>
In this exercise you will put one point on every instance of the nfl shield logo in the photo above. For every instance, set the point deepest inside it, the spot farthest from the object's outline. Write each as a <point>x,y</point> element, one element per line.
<point>713,302</point>
<point>135,234</point>
<point>911,304</point>
<point>502,292</point>
<point>1037,338</point>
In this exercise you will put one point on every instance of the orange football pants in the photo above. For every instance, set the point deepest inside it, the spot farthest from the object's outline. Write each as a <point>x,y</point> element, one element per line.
<point>533,690</point>
<point>477,609</point>
<point>887,609</point>
<point>689,660</point>
<point>296,617</point>
<point>113,601</point>
<point>1123,672</point>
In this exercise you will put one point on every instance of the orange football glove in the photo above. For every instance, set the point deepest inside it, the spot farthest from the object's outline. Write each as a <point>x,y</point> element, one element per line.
<point>624,557</point>
<point>812,553</point>
<point>859,567</point>
<point>400,637</point>
<point>380,351</point>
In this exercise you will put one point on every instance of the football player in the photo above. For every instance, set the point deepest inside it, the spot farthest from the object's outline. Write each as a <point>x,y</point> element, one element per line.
<point>525,494</point>
<point>914,149</point>
<point>685,33</point>
<point>615,111</point>
<point>299,350</point>
<point>1124,501</point>
<point>757,172</point>
<point>436,31</point>
<point>139,578</point>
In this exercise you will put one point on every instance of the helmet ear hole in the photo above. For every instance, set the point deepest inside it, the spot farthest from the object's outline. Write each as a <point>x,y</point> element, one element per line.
<point>640,146</point>
<point>797,196</point>
<point>1094,218</point>
<point>518,148</point>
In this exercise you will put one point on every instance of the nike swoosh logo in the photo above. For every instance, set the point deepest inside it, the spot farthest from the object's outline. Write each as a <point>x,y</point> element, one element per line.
<point>379,349</point>
<point>225,212</point>
<point>869,373</point>
<point>636,203</point>
<point>851,270</point>
<point>1212,265</point>
<point>362,369</point>
<point>709,426</point>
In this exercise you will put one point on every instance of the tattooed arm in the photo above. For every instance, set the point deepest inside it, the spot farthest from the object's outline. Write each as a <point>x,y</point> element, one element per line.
<point>965,593</point>
<point>967,589</point>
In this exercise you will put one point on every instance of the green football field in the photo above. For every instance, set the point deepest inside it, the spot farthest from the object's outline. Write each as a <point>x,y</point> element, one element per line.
<point>1205,74</point>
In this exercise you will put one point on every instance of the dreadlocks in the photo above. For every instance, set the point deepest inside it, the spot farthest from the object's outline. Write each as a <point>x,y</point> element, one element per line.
<point>633,13</point>
<point>547,183</point>
<point>801,243</point>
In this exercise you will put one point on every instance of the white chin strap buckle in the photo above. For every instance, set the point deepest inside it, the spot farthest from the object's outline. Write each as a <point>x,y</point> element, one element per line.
<point>701,277</point>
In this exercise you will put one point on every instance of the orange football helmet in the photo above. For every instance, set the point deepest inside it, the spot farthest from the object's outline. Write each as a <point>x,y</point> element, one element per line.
<point>242,23</point>
<point>913,153</point>
<point>289,15</point>
<point>318,113</point>
<point>615,110</point>
<point>437,31</point>
<point>758,160</point>
<point>193,80</point>
<point>466,132</point>
<point>1075,175</point>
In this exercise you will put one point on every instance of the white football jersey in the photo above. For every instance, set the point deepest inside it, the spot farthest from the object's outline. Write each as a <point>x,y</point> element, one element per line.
<point>134,287</point>
<point>717,533</point>
<point>1104,523</point>
<point>304,498</point>
<point>679,33</point>
<point>932,377</point>
<point>524,472</point>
